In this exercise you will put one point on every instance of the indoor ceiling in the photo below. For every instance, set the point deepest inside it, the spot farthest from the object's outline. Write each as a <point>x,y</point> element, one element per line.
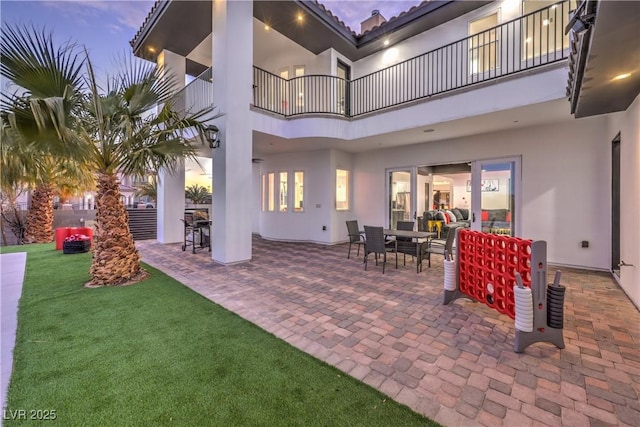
<point>614,51</point>
<point>515,118</point>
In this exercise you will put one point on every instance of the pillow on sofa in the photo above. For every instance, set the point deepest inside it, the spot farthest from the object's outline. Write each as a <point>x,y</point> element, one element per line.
<point>452,217</point>
<point>441,216</point>
<point>458,214</point>
<point>465,213</point>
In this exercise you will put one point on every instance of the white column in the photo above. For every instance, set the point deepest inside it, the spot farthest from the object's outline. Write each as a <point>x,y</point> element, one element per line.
<point>170,198</point>
<point>232,55</point>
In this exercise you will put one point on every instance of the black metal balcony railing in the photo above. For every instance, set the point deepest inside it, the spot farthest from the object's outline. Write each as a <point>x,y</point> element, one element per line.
<point>525,43</point>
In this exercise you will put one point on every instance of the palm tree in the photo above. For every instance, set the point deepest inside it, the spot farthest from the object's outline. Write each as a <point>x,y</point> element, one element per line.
<point>111,130</point>
<point>50,175</point>
<point>25,168</point>
<point>11,186</point>
<point>149,189</point>
<point>197,194</point>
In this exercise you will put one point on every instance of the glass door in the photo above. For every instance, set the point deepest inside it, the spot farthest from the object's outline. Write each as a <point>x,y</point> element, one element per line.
<point>344,73</point>
<point>401,197</point>
<point>495,196</point>
<point>615,206</point>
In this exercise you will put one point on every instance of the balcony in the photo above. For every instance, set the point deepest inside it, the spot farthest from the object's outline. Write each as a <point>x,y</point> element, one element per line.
<point>532,41</point>
<point>197,95</point>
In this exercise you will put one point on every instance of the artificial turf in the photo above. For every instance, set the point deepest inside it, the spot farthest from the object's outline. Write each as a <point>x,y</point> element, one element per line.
<point>156,353</point>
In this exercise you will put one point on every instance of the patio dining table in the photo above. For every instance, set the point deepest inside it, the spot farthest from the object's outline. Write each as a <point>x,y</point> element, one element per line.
<point>418,237</point>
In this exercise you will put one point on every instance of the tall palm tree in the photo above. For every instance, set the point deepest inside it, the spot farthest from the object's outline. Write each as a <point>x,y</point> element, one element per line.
<point>36,119</point>
<point>49,175</point>
<point>12,185</point>
<point>44,174</point>
<point>113,132</point>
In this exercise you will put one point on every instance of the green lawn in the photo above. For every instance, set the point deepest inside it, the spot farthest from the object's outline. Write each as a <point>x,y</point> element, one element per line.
<point>157,353</point>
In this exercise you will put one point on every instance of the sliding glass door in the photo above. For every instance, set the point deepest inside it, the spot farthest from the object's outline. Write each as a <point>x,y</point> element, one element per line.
<point>401,196</point>
<point>495,196</point>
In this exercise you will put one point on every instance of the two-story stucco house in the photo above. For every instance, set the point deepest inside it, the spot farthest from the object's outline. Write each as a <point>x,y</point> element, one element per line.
<point>520,111</point>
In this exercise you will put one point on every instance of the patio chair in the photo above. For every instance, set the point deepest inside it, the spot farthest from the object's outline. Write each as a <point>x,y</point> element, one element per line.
<point>406,245</point>
<point>375,243</point>
<point>439,246</point>
<point>355,236</point>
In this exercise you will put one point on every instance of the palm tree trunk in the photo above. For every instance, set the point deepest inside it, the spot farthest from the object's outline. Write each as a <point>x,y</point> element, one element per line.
<point>115,257</point>
<point>39,223</point>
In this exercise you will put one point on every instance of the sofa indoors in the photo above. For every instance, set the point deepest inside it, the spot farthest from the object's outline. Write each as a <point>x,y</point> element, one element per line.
<point>493,220</point>
<point>450,220</point>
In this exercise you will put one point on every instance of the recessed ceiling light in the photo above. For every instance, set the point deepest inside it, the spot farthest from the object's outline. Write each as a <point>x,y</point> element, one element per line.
<point>428,130</point>
<point>266,27</point>
<point>622,76</point>
<point>151,49</point>
<point>386,42</point>
<point>300,17</point>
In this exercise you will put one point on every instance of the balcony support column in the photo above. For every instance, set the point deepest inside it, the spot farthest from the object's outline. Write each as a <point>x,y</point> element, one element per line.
<point>232,54</point>
<point>170,192</point>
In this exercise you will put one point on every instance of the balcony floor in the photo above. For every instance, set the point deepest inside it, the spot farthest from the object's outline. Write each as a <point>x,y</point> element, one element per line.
<point>455,363</point>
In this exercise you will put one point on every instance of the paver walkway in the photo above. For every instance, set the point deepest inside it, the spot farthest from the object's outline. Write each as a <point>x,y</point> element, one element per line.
<point>12,267</point>
<point>454,363</point>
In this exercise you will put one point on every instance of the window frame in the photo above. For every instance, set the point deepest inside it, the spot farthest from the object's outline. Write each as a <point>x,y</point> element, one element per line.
<point>295,191</point>
<point>283,199</point>
<point>476,49</point>
<point>347,195</point>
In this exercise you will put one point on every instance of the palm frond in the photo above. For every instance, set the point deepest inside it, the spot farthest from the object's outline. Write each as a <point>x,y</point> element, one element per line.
<point>29,59</point>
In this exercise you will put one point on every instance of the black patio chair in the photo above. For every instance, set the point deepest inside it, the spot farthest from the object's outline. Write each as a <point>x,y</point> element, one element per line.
<point>406,245</point>
<point>440,247</point>
<point>355,236</point>
<point>375,243</point>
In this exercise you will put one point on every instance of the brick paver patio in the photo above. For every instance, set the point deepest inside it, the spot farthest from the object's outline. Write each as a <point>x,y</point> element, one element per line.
<point>455,363</point>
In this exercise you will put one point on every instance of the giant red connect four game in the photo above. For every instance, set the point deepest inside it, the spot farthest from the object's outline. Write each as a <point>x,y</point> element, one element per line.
<point>487,267</point>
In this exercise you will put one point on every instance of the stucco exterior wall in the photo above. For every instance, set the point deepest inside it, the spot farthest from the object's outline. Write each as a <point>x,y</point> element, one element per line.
<point>565,179</point>
<point>306,225</point>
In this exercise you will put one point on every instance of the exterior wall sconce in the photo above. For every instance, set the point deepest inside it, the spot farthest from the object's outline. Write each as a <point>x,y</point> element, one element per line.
<point>579,21</point>
<point>212,134</point>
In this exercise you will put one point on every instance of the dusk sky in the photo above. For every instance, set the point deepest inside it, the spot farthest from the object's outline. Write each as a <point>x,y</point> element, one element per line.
<point>105,27</point>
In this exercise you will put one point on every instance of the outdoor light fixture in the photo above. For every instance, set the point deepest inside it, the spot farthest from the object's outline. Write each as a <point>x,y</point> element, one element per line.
<point>580,22</point>
<point>212,134</point>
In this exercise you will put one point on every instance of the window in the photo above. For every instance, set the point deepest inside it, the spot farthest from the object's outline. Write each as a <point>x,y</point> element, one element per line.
<point>342,190</point>
<point>282,199</point>
<point>298,195</point>
<point>543,28</point>
<point>270,188</point>
<point>264,192</point>
<point>298,72</point>
<point>484,45</point>
<point>267,192</point>
<point>283,83</point>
